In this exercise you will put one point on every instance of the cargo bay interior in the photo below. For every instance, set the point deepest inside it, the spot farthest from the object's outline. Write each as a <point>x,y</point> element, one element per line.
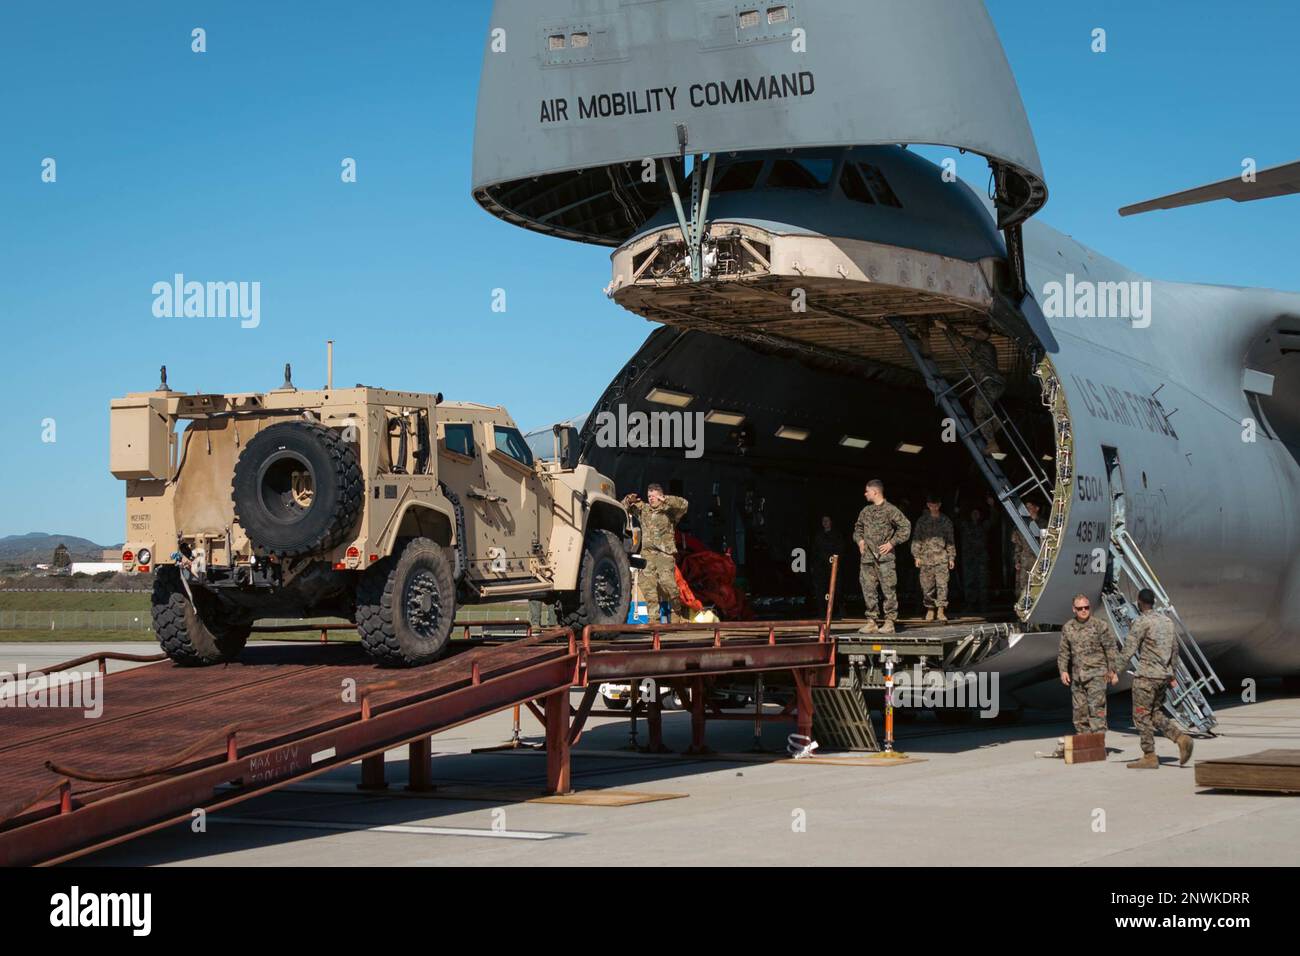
<point>790,438</point>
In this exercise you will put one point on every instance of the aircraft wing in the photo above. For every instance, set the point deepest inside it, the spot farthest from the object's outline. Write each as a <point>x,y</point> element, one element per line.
<point>1278,181</point>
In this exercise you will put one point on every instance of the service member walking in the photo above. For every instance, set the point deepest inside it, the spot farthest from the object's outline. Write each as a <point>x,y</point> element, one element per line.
<point>1087,661</point>
<point>1152,641</point>
<point>934,546</point>
<point>880,529</point>
<point>659,515</point>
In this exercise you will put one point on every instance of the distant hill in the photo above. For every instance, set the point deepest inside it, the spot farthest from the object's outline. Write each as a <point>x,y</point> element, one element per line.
<point>38,547</point>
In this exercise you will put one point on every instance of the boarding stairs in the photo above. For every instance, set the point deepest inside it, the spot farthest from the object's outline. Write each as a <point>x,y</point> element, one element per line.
<point>953,399</point>
<point>1194,678</point>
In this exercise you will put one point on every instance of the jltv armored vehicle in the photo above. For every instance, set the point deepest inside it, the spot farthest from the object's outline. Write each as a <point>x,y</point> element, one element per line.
<point>386,508</point>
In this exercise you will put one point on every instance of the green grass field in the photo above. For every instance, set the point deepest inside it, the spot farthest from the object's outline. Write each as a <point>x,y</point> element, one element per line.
<point>87,603</point>
<point>73,601</point>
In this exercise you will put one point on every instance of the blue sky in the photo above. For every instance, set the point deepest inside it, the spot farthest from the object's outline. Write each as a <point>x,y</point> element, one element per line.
<point>226,165</point>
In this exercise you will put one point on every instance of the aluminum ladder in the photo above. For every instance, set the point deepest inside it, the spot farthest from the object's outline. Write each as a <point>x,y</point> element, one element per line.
<point>1194,678</point>
<point>948,398</point>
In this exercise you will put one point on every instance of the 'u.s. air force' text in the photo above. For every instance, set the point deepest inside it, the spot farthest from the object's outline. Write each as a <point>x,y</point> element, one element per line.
<point>665,99</point>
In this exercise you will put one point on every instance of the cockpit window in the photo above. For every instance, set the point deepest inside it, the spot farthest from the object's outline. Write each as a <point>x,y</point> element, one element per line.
<point>879,186</point>
<point>800,174</point>
<point>739,177</point>
<point>852,185</point>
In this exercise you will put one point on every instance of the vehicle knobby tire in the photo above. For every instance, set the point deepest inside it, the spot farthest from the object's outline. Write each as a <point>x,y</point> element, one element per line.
<point>193,636</point>
<point>604,590</point>
<point>281,513</point>
<point>406,605</point>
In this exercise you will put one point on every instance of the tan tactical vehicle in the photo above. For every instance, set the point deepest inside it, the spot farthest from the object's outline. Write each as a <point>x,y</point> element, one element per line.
<point>386,508</point>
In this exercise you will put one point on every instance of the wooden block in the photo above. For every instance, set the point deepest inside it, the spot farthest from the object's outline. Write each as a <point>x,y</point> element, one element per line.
<point>1085,742</point>
<point>1085,748</point>
<point>1091,755</point>
<point>1270,771</point>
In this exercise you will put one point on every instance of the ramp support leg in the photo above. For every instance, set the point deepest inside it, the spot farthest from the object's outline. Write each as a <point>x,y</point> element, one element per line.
<point>419,762</point>
<point>655,722</point>
<point>804,702</point>
<point>697,717</point>
<point>558,778</point>
<point>372,773</point>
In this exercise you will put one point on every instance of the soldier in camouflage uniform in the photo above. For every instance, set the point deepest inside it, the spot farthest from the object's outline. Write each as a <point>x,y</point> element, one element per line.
<point>934,546</point>
<point>659,515</point>
<point>975,561</point>
<point>992,385</point>
<point>1026,556</point>
<point>879,530</point>
<point>1153,642</point>
<point>1087,662</point>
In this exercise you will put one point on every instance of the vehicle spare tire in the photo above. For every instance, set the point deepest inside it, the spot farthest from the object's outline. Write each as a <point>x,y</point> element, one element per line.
<point>297,489</point>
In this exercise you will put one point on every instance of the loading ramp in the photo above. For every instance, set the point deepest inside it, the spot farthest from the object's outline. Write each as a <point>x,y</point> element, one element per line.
<point>171,741</point>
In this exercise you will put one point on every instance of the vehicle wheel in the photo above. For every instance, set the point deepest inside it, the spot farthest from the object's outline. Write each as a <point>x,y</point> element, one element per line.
<point>604,584</point>
<point>670,701</point>
<point>193,635</point>
<point>406,605</point>
<point>614,703</point>
<point>297,489</point>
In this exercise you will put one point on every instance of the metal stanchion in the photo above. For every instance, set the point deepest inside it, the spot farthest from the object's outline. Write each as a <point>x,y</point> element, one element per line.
<point>890,659</point>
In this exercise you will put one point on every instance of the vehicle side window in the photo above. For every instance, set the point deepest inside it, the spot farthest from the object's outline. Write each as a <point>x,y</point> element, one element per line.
<point>459,439</point>
<point>510,442</point>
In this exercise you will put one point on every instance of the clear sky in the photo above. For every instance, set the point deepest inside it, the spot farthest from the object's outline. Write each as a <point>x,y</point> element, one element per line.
<point>226,166</point>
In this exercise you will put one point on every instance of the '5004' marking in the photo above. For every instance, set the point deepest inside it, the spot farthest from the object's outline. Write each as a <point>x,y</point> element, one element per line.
<point>1088,488</point>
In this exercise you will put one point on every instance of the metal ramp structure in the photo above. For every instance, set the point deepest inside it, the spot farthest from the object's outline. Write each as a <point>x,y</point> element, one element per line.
<point>950,398</point>
<point>1194,678</point>
<point>172,742</point>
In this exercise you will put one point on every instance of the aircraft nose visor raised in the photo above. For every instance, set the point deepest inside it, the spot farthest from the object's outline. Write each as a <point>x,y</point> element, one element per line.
<point>579,99</point>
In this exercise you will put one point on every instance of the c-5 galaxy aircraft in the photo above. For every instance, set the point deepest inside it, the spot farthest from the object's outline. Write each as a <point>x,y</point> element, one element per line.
<point>822,288</point>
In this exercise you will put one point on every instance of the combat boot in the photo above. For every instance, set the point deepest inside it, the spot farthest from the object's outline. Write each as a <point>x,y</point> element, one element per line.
<point>929,614</point>
<point>1184,750</point>
<point>887,627</point>
<point>1148,762</point>
<point>868,628</point>
<point>941,616</point>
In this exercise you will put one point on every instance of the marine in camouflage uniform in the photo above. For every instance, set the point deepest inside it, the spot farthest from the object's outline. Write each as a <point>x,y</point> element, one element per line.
<point>975,561</point>
<point>878,524</point>
<point>1088,656</point>
<point>659,517</point>
<point>1153,642</point>
<point>984,365</point>
<point>1025,555</point>
<point>934,546</point>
